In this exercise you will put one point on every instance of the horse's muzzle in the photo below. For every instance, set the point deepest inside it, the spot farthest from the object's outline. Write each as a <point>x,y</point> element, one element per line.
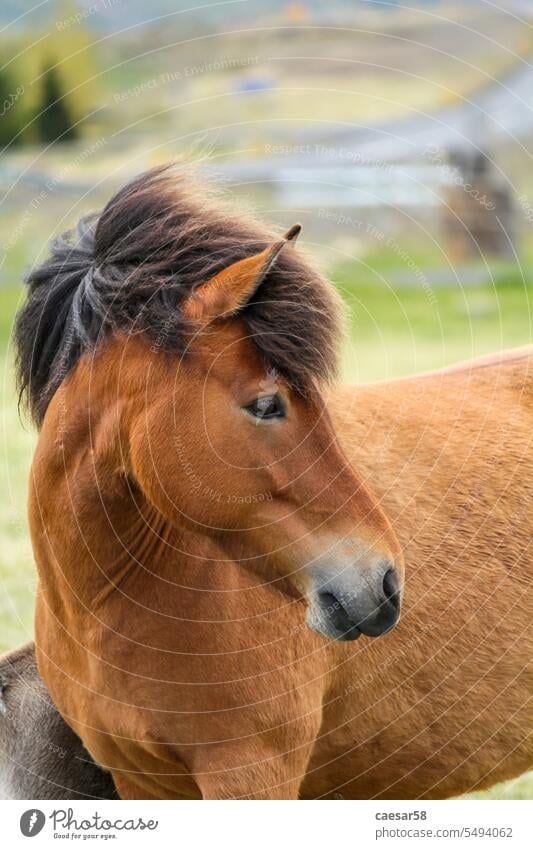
<point>342,611</point>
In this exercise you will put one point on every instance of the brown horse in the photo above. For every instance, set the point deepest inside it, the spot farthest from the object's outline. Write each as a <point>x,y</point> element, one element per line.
<point>201,536</point>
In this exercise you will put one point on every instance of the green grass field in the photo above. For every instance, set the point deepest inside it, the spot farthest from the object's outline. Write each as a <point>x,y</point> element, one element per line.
<point>390,332</point>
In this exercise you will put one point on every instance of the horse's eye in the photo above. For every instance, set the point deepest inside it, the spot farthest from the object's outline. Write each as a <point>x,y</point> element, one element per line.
<point>267,407</point>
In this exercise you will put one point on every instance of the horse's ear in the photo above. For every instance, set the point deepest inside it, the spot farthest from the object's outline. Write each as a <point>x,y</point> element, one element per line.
<point>292,234</point>
<point>230,289</point>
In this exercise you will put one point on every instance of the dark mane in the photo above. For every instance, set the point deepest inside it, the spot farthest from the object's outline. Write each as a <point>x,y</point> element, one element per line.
<point>129,268</point>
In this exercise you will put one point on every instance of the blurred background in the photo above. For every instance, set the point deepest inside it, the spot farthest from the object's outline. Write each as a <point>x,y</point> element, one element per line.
<point>399,134</point>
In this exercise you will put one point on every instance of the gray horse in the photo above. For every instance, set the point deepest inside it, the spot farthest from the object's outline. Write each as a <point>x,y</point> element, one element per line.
<point>40,756</point>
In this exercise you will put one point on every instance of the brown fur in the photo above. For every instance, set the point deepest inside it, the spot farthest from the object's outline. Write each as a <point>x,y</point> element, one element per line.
<point>176,543</point>
<point>145,609</point>
<point>443,705</point>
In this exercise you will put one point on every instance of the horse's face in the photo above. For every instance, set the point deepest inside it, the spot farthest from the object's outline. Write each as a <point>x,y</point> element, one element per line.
<point>232,451</point>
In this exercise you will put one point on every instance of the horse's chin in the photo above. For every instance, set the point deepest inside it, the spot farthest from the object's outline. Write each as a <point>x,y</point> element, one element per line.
<point>329,620</point>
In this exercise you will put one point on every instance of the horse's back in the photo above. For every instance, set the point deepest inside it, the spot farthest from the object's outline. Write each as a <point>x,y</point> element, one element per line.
<point>40,756</point>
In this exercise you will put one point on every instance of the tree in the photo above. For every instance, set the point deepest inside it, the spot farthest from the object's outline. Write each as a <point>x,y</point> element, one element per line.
<point>54,123</point>
<point>10,111</point>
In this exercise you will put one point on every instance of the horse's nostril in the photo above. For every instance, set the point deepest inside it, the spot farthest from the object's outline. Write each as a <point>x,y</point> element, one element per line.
<point>391,587</point>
